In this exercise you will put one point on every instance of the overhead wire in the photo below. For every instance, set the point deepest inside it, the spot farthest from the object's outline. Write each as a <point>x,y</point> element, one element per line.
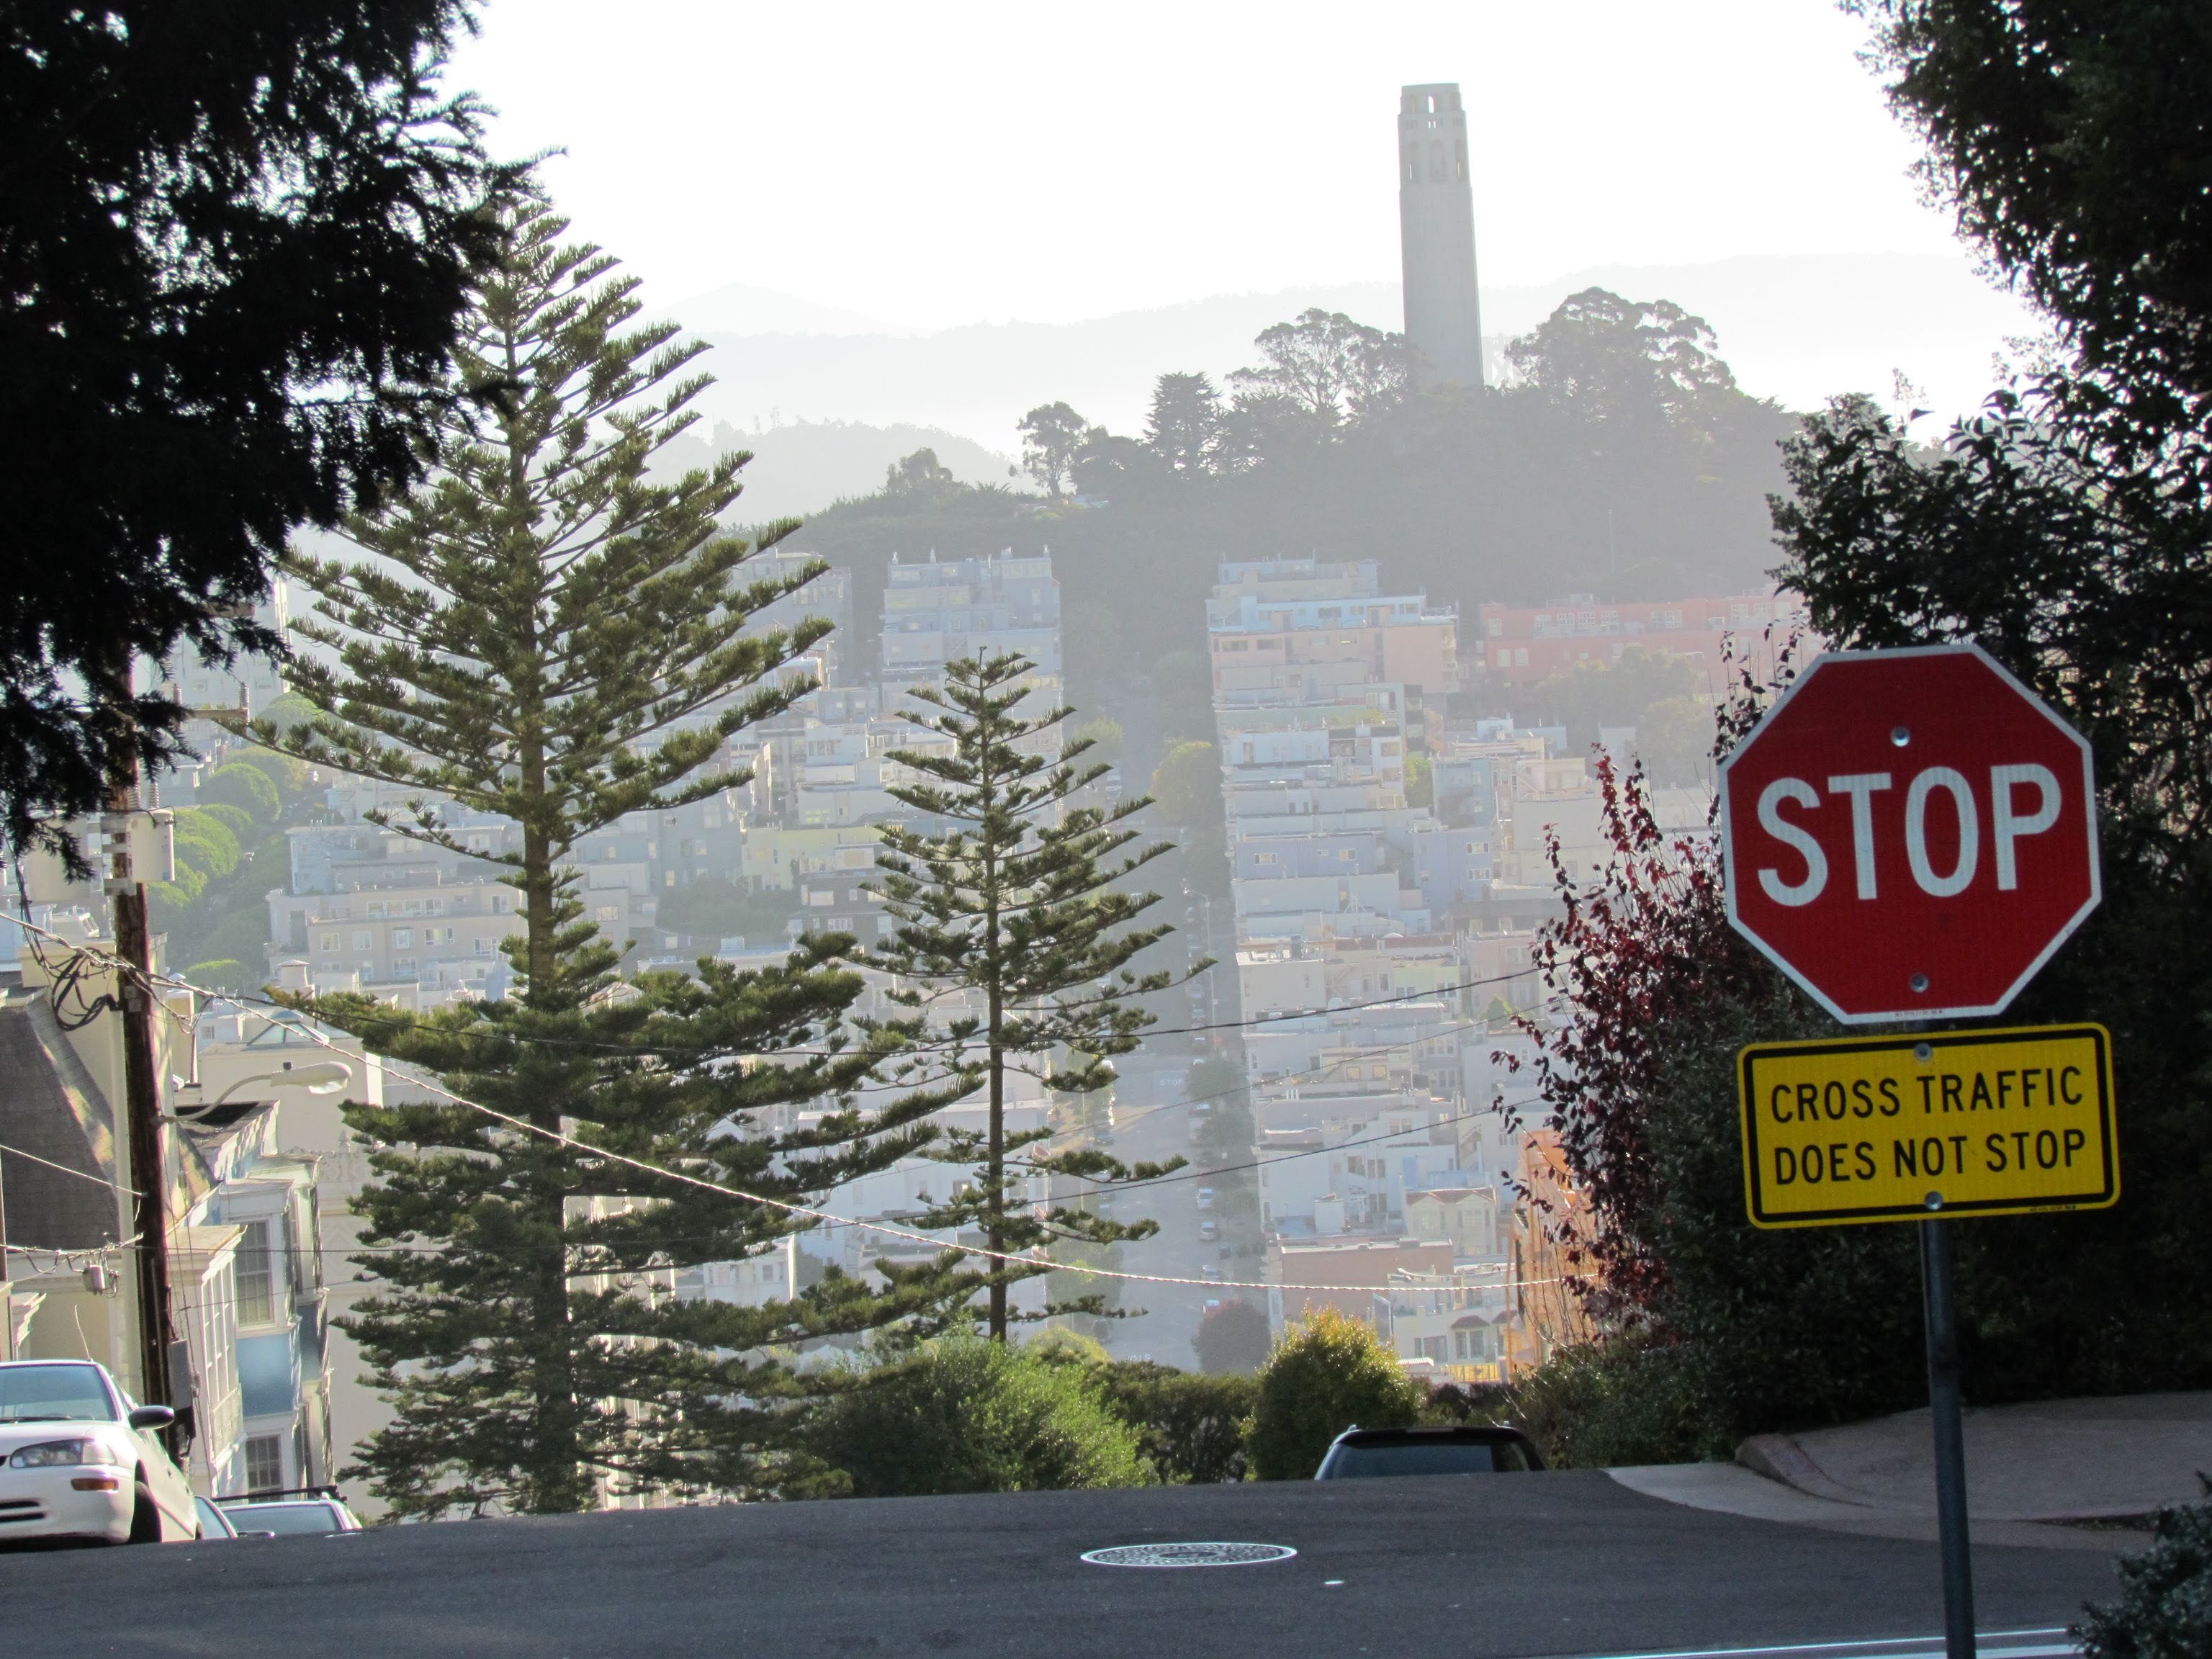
<point>403,1022</point>
<point>810,1212</point>
<point>81,1175</point>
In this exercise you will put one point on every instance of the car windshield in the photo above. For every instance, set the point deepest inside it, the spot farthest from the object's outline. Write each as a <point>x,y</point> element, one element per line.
<point>1427,1457</point>
<point>213,1521</point>
<point>54,1393</point>
<point>285,1520</point>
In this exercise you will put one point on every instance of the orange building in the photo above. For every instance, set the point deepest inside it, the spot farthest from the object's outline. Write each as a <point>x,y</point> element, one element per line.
<point>1547,1225</point>
<point>1299,629</point>
<point>1522,645</point>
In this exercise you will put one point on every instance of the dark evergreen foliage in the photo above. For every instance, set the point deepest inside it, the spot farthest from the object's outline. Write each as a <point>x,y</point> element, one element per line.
<point>2070,139</point>
<point>2069,530</point>
<point>546,635</point>
<point>235,242</point>
<point>1007,904</point>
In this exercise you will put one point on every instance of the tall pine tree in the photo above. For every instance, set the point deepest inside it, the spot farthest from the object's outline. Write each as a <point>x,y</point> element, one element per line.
<point>539,632</point>
<point>1006,898</point>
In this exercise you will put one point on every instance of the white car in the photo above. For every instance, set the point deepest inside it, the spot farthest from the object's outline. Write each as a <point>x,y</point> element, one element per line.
<point>79,1459</point>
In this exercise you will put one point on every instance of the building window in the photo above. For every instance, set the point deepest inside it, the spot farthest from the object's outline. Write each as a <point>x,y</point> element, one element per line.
<point>607,913</point>
<point>265,1462</point>
<point>330,944</point>
<point>363,939</point>
<point>483,947</point>
<point>403,939</point>
<point>256,1305</point>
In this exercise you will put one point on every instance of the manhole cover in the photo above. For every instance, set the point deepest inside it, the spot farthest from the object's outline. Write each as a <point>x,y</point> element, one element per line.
<point>1189,1555</point>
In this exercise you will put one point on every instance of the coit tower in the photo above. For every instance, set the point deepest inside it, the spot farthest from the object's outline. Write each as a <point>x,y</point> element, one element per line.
<point>1436,232</point>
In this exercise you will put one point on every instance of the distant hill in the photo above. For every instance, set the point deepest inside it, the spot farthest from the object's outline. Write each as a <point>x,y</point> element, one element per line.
<point>799,469</point>
<point>1795,328</point>
<point>979,379</point>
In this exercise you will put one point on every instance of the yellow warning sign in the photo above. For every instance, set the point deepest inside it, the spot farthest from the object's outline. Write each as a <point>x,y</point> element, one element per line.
<point>1898,1128</point>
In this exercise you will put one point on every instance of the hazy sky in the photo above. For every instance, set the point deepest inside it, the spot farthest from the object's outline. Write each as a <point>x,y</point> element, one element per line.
<point>935,165</point>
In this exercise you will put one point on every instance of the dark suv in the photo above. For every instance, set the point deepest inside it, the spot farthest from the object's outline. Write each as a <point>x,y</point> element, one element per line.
<point>1460,1449</point>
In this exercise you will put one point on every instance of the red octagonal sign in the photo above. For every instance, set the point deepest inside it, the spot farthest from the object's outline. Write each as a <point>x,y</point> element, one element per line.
<point>1910,834</point>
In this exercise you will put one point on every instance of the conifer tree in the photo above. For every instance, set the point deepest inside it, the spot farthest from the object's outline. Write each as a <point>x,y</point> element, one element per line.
<point>1006,900</point>
<point>539,632</point>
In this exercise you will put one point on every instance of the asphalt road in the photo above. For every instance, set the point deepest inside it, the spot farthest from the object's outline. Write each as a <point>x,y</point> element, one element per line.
<point>1560,1564</point>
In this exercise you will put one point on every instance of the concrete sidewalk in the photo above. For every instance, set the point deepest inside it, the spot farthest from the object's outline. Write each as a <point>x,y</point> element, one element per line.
<point>2030,1470</point>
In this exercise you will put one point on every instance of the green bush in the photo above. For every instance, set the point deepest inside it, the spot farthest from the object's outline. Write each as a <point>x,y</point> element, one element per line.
<point>963,1414</point>
<point>171,899</point>
<point>223,973</point>
<point>1328,1373</point>
<point>2165,1609</point>
<point>248,788</point>
<point>1063,1345</point>
<point>236,819</point>
<point>1191,1427</point>
<point>204,843</point>
<point>1605,1404</point>
<point>288,775</point>
<point>289,711</point>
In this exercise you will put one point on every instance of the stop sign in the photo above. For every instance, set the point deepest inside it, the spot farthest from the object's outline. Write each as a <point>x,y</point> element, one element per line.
<point>1910,834</point>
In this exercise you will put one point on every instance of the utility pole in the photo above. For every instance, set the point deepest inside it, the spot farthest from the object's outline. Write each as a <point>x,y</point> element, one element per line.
<point>6,1295</point>
<point>142,1090</point>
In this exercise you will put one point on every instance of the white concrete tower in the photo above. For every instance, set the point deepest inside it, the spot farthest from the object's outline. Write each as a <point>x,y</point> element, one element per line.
<point>1436,230</point>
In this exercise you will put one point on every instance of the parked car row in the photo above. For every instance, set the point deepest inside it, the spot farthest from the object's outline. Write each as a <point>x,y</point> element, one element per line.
<point>80,1459</point>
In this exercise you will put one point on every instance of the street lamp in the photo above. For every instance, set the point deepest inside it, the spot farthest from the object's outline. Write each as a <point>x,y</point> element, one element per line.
<point>319,1078</point>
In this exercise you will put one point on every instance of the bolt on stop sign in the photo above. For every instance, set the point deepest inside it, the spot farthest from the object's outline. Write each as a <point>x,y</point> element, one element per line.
<point>1910,834</point>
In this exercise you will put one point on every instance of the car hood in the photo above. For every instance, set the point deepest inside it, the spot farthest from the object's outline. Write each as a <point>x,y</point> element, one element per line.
<point>14,1436</point>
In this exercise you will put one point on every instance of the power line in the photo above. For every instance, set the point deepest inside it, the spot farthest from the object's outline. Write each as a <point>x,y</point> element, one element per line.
<point>401,1024</point>
<point>1307,1151</point>
<point>684,1178</point>
<point>98,1180</point>
<point>1343,1057</point>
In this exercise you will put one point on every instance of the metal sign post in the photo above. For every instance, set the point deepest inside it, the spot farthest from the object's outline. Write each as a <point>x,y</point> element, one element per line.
<point>1950,1436</point>
<point>1923,1128</point>
<point>1909,835</point>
